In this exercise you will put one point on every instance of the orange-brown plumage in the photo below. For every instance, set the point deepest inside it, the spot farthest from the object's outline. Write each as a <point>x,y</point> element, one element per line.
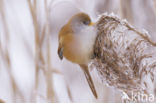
<point>68,40</point>
<point>76,39</point>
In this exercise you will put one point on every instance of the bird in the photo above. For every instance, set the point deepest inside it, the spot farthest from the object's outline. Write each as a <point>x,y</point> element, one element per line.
<point>124,56</point>
<point>77,47</point>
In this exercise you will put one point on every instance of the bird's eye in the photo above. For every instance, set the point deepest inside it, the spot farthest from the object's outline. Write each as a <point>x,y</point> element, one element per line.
<point>86,22</point>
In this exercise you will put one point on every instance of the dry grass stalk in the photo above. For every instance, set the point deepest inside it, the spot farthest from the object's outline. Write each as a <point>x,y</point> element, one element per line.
<point>154,1</point>
<point>69,93</point>
<point>126,10</point>
<point>1,101</point>
<point>6,56</point>
<point>39,61</point>
<point>36,30</point>
<point>43,62</point>
<point>49,75</point>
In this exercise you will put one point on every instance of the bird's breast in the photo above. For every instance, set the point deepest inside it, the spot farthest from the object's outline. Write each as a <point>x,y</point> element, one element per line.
<point>80,46</point>
<point>74,52</point>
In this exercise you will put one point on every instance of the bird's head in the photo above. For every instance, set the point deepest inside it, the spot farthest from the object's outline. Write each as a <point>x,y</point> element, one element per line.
<point>75,39</point>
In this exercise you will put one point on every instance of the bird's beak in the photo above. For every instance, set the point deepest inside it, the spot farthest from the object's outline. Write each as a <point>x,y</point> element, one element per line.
<point>60,52</point>
<point>89,79</point>
<point>91,24</point>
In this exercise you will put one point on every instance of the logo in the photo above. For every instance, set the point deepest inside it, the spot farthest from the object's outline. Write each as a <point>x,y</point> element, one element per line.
<point>138,97</point>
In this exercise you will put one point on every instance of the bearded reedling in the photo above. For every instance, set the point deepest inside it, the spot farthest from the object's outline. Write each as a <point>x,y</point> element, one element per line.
<point>124,57</point>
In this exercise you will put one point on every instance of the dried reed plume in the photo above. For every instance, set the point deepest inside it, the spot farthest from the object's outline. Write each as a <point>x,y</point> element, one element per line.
<point>124,56</point>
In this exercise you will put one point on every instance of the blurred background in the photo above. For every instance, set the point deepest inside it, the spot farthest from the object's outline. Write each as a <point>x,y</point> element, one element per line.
<point>30,70</point>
